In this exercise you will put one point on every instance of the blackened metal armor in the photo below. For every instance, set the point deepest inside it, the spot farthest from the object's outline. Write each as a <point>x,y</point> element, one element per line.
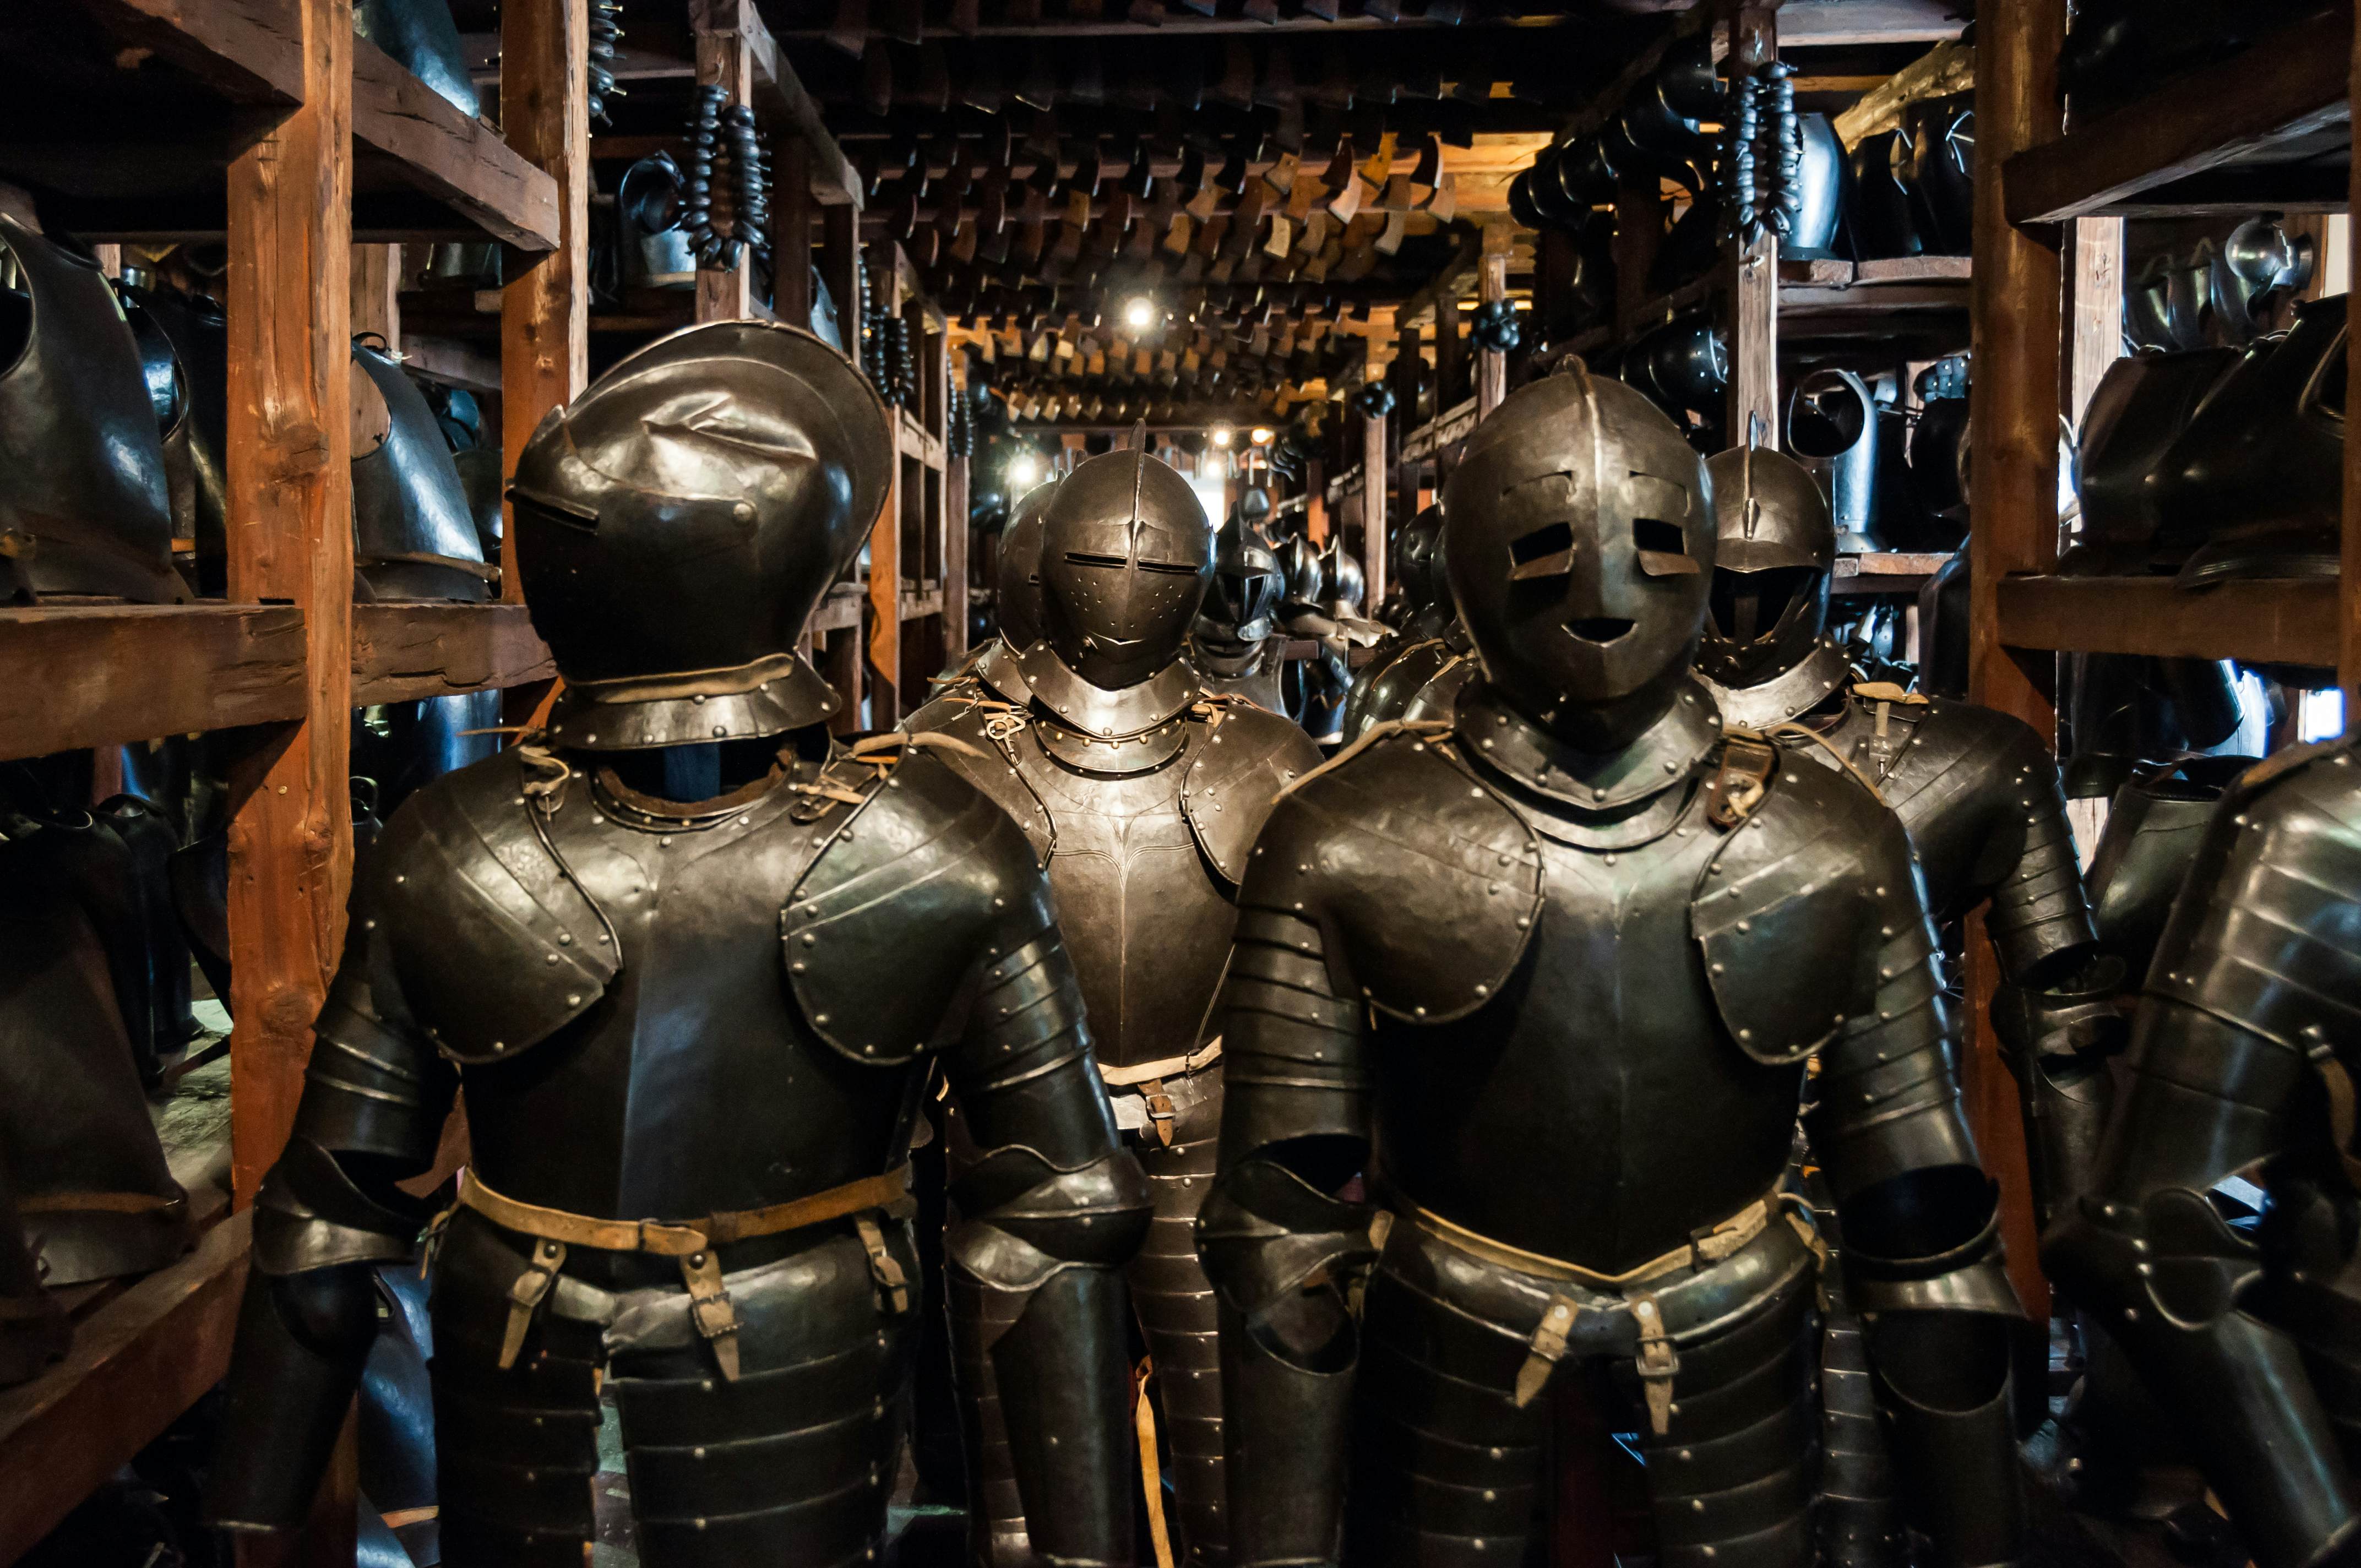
<point>1016,598</point>
<point>1142,792</point>
<point>2242,1058</point>
<point>413,531</point>
<point>84,504</point>
<point>1562,963</point>
<point>1976,790</point>
<point>1417,672</point>
<point>690,1088</point>
<point>1234,643</point>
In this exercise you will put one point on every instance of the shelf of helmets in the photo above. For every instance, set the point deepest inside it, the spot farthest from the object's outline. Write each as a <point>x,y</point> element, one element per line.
<point>2245,134</point>
<point>126,112</point>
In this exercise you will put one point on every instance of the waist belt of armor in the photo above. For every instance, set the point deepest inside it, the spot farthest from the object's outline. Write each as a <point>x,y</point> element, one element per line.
<point>693,1243</point>
<point>1657,1360</point>
<point>1147,1079</point>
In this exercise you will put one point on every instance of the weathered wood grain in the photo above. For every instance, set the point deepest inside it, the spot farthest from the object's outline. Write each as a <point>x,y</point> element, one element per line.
<point>249,51</point>
<point>459,162</point>
<point>107,675</point>
<point>2267,622</point>
<point>402,652</point>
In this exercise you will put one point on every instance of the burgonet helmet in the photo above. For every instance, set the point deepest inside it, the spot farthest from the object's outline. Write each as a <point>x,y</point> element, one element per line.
<point>1579,546</point>
<point>1775,548</point>
<point>676,523</point>
<point>1415,554</point>
<point>1246,592</point>
<point>1126,554</point>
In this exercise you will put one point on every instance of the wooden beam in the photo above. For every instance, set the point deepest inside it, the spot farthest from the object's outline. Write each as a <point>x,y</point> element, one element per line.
<point>377,292</point>
<point>2291,84</point>
<point>2264,622</point>
<point>113,675</point>
<point>291,540</point>
<point>777,89</point>
<point>402,652</point>
<point>249,51</point>
<point>2017,286</point>
<point>791,232</point>
<point>1375,566</point>
<point>1754,266</point>
<point>1491,288</point>
<point>452,361</point>
<point>136,1364</point>
<point>2348,607</point>
<point>2094,294</point>
<point>722,60</point>
<point>457,160</point>
<point>544,299</point>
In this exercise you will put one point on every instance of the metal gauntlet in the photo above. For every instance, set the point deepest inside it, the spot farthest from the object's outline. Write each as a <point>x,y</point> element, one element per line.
<point>1287,1262</point>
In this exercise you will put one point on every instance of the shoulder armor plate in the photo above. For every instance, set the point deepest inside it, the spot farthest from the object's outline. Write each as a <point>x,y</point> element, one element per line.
<point>1235,778</point>
<point>1787,917</point>
<point>1445,877</point>
<point>493,948</point>
<point>959,714</point>
<point>894,919</point>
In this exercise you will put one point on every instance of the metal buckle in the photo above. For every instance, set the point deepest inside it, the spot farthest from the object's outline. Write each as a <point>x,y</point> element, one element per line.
<point>893,1286</point>
<point>1160,1111</point>
<point>525,1295</point>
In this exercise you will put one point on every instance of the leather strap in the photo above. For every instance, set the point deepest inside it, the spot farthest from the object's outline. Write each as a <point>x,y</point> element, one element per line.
<point>1737,787</point>
<point>1195,1061</point>
<point>890,1192</point>
<point>1710,1246</point>
<point>1151,1478</point>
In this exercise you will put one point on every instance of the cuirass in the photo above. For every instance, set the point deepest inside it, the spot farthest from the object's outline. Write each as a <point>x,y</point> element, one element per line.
<point>1948,799</point>
<point>1596,1109</point>
<point>694,1085</point>
<point>1147,922</point>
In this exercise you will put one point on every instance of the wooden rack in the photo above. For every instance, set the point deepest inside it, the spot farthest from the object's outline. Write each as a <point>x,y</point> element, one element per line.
<point>2047,315</point>
<point>307,150</point>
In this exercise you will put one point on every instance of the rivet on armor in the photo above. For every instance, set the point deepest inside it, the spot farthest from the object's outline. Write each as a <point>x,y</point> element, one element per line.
<point>1522,922</point>
<point>820,1017</point>
<point>498,1047</point>
<point>369,924</point>
<point>1745,1034</point>
<point>1718,969</point>
<point>1610,859</point>
<point>400,878</point>
<point>565,938</point>
<point>1419,1011</point>
<point>1483,991</point>
<point>591,739</point>
<point>697,700</point>
<point>550,958</point>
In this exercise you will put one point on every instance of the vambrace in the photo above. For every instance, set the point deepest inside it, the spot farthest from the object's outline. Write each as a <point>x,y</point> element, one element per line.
<point>2039,907</point>
<point>2057,1036</point>
<point>1290,1039</point>
<point>1034,1258</point>
<point>305,1330</point>
<point>1287,1262</point>
<point>1947,1339</point>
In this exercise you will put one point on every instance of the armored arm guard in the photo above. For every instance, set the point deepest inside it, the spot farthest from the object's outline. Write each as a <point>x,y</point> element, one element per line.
<point>1285,1255</point>
<point>375,1098</point>
<point>2054,1011</point>
<point>2231,1059</point>
<point>1050,1210</point>
<point>1922,1243</point>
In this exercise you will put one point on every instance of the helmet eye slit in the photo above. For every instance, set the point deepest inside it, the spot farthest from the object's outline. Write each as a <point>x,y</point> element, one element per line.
<point>1664,548</point>
<point>1546,552</point>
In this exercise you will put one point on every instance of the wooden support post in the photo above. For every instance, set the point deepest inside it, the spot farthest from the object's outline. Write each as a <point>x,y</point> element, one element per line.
<point>791,235</point>
<point>1374,565</point>
<point>886,564</point>
<point>1491,288</point>
<point>1638,235</point>
<point>290,539</point>
<point>545,299</point>
<point>722,58</point>
<point>2348,591</point>
<point>955,542</point>
<point>1450,354</point>
<point>377,292</point>
<point>2018,330</point>
<point>2095,310</point>
<point>839,268</point>
<point>1754,280</point>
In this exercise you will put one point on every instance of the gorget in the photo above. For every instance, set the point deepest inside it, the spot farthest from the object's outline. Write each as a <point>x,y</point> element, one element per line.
<point>1512,745</point>
<point>1118,758</point>
<point>1094,710</point>
<point>769,697</point>
<point>997,668</point>
<point>1788,694</point>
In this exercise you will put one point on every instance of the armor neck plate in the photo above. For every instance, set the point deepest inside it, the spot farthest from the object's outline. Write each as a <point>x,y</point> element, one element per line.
<point>769,697</point>
<point>1141,753</point>
<point>648,814</point>
<point>1094,710</point>
<point>1790,694</point>
<point>1666,753</point>
<point>997,668</point>
<point>1224,658</point>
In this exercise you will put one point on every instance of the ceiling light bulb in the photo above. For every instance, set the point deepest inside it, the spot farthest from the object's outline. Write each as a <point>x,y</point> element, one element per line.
<point>1140,312</point>
<point>1222,435</point>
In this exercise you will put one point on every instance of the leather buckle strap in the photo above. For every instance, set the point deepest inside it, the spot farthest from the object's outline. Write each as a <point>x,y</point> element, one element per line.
<point>893,1286</point>
<point>1547,1348</point>
<point>1710,1246</point>
<point>1737,788</point>
<point>711,1311</point>
<point>1659,1364</point>
<point>525,1294</point>
<point>1187,1064</point>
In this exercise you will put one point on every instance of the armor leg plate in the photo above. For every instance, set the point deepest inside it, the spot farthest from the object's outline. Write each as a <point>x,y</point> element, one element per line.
<point>1177,1314</point>
<point>791,1462</point>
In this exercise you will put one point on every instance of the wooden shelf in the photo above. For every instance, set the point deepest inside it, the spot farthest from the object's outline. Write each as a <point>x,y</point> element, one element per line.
<point>248,51</point>
<point>137,1364</point>
<point>840,611</point>
<point>2285,622</point>
<point>107,675</point>
<point>2164,154</point>
<point>413,150</point>
<point>1437,435</point>
<point>918,440</point>
<point>919,603</point>
<point>1885,571</point>
<point>402,652</point>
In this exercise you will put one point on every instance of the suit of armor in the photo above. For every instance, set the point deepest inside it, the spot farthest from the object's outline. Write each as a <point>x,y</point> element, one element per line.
<point>2241,1064</point>
<point>690,1084</point>
<point>1977,791</point>
<point>1142,792</point>
<point>1234,643</point>
<point>1561,964</point>
<point>1415,673</point>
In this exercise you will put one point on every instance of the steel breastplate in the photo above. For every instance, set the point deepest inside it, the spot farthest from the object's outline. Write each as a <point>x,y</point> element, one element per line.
<point>2154,826</point>
<point>1148,926</point>
<point>413,531</point>
<point>695,1085</point>
<point>1788,694</point>
<point>82,481</point>
<point>1595,1110</point>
